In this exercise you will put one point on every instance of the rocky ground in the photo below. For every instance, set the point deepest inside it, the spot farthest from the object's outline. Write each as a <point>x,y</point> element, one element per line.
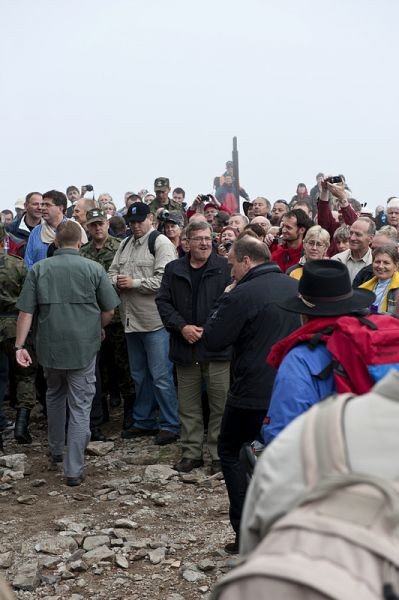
<point>134,529</point>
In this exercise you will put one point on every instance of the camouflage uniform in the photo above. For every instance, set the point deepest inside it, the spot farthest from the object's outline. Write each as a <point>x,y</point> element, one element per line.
<point>12,275</point>
<point>114,366</point>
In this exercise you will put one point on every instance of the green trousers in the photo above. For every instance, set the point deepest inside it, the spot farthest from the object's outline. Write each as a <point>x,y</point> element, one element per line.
<point>190,379</point>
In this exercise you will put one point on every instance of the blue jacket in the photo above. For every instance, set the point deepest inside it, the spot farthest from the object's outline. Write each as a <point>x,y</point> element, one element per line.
<point>297,387</point>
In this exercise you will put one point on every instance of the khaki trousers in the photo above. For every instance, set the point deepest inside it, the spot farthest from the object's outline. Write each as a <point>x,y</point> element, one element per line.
<point>190,379</point>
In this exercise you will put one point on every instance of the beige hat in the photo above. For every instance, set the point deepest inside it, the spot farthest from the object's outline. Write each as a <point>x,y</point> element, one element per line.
<point>20,203</point>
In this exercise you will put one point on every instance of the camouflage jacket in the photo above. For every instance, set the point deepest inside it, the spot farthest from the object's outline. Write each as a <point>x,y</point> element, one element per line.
<point>104,256</point>
<point>171,205</point>
<point>12,275</point>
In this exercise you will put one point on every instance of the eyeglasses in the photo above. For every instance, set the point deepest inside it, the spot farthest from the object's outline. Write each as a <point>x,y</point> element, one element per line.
<point>197,240</point>
<point>314,244</point>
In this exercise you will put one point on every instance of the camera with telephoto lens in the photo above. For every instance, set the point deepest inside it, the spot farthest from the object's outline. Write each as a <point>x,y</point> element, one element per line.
<point>88,188</point>
<point>334,179</point>
<point>163,215</point>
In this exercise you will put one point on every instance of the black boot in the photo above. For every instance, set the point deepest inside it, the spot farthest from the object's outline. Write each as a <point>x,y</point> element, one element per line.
<point>21,431</point>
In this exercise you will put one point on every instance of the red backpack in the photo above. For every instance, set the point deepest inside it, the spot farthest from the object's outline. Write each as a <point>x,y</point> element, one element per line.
<point>364,349</point>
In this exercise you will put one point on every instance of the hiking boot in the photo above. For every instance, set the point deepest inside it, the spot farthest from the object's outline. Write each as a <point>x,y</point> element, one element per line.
<point>97,435</point>
<point>54,462</point>
<point>74,481</point>
<point>185,465</point>
<point>232,547</point>
<point>21,431</point>
<point>134,432</point>
<point>165,437</point>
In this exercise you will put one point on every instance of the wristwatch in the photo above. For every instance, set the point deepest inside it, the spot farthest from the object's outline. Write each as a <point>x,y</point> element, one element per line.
<point>19,347</point>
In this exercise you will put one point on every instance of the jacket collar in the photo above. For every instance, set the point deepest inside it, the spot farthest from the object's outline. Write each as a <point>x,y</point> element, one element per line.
<point>260,270</point>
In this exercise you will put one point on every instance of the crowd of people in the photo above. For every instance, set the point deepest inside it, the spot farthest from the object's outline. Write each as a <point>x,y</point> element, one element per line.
<point>172,309</point>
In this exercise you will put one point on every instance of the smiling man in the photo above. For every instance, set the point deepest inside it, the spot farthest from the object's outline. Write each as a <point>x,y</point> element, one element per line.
<point>294,226</point>
<point>359,253</point>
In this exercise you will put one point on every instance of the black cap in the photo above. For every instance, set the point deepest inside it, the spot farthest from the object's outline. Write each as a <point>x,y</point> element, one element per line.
<point>138,211</point>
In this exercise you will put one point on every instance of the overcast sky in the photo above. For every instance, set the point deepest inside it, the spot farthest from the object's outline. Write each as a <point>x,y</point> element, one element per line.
<point>117,92</point>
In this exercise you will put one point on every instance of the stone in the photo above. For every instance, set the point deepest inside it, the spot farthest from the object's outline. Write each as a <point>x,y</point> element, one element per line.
<point>156,556</point>
<point>70,525</point>
<point>6,559</point>
<point>192,576</point>
<point>125,524</point>
<point>157,473</point>
<point>56,545</point>
<point>121,561</point>
<point>99,448</point>
<point>81,497</point>
<point>94,541</point>
<point>206,565</point>
<point>158,500</point>
<point>67,575</point>
<point>203,589</point>
<point>97,554</point>
<point>140,554</point>
<point>38,482</point>
<point>27,499</point>
<point>4,487</point>
<point>27,576</point>
<point>78,565</point>
<point>175,597</point>
<point>15,462</point>
<point>117,543</point>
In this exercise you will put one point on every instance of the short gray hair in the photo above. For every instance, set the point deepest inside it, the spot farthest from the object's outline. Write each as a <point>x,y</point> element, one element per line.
<point>372,228</point>
<point>198,226</point>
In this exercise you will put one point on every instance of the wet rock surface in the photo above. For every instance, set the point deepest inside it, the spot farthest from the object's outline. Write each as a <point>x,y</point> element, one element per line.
<point>134,529</point>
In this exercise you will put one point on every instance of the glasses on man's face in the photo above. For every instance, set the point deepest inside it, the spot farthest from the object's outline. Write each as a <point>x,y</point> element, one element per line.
<point>202,240</point>
<point>314,244</point>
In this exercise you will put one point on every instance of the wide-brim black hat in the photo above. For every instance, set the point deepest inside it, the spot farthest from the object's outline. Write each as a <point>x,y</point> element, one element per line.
<point>325,290</point>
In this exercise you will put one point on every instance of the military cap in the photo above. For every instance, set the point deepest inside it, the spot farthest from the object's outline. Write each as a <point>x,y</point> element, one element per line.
<point>96,215</point>
<point>161,184</point>
<point>137,211</point>
<point>175,217</point>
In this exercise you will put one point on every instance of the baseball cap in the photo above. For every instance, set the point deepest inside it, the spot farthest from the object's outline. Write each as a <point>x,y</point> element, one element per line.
<point>174,217</point>
<point>161,184</point>
<point>138,212</point>
<point>20,203</point>
<point>95,215</point>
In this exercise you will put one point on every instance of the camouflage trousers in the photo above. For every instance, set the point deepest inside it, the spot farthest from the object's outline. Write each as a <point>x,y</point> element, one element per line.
<point>24,377</point>
<point>114,364</point>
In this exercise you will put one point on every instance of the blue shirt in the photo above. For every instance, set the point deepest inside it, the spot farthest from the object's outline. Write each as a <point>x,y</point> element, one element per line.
<point>297,387</point>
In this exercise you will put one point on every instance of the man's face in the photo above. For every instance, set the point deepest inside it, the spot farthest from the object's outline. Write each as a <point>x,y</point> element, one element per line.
<point>162,196</point>
<point>279,209</point>
<point>238,269</point>
<point>172,230</point>
<point>50,212</point>
<point>200,244</point>
<point>73,195</point>
<point>33,206</point>
<point>6,218</point>
<point>236,223</point>
<point>98,230</point>
<point>393,216</point>
<point>359,239</point>
<point>79,212</point>
<point>210,214</point>
<point>179,198</point>
<point>141,228</point>
<point>290,232</point>
<point>259,208</point>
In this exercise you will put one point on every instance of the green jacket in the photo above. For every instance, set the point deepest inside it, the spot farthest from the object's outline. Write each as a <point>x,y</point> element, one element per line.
<point>12,275</point>
<point>104,255</point>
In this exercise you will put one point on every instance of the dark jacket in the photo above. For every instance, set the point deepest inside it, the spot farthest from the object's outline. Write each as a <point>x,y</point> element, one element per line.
<point>174,301</point>
<point>249,318</point>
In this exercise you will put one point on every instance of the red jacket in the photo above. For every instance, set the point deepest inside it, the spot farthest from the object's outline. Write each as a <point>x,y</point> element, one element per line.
<point>326,220</point>
<point>286,257</point>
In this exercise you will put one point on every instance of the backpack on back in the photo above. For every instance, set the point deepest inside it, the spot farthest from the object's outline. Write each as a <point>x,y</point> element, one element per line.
<point>340,541</point>
<point>151,241</point>
<point>363,349</point>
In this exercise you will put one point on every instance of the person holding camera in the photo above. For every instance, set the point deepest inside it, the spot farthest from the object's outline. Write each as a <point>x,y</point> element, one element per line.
<point>162,200</point>
<point>171,224</point>
<point>227,237</point>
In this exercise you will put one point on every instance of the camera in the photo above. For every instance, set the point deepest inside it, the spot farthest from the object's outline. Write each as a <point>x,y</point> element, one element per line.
<point>334,179</point>
<point>204,197</point>
<point>88,188</point>
<point>228,244</point>
<point>163,216</point>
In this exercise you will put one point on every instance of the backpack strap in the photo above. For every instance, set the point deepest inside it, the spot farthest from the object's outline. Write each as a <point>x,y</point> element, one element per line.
<point>151,241</point>
<point>323,443</point>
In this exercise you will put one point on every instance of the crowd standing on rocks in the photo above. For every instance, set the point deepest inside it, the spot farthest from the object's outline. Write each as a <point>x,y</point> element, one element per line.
<point>138,339</point>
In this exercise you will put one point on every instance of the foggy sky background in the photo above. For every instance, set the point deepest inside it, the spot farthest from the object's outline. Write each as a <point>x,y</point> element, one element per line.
<point>117,92</point>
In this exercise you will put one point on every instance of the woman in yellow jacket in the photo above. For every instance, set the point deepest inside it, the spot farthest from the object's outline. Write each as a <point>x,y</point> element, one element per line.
<point>385,283</point>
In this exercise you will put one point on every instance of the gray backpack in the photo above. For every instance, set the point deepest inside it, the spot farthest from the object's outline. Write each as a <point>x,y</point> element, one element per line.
<point>341,540</point>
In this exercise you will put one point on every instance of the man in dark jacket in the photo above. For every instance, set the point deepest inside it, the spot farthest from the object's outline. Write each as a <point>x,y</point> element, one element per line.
<point>249,319</point>
<point>189,289</point>
<point>20,228</point>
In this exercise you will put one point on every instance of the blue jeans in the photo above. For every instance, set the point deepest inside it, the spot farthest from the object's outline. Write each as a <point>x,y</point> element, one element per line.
<point>152,373</point>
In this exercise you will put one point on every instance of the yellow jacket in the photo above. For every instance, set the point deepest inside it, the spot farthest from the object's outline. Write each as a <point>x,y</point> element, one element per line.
<point>390,298</point>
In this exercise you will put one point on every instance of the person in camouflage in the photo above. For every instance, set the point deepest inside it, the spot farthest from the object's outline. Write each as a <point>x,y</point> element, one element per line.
<point>113,362</point>
<point>12,275</point>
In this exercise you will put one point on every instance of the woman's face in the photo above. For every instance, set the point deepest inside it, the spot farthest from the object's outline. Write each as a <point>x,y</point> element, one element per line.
<point>227,235</point>
<point>342,245</point>
<point>315,249</point>
<point>109,209</point>
<point>383,266</point>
